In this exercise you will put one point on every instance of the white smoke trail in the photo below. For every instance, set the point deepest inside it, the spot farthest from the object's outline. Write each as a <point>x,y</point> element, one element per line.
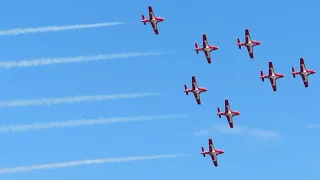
<point>61,60</point>
<point>81,122</point>
<point>73,99</point>
<point>19,31</point>
<point>84,162</point>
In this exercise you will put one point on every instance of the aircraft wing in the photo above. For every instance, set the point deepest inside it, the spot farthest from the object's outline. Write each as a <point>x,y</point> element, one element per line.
<point>302,65</point>
<point>194,83</point>
<point>227,106</point>
<point>151,17</point>
<point>303,68</point>
<point>155,27</point>
<point>205,44</point>
<point>273,84</point>
<point>204,40</point>
<point>195,86</point>
<point>208,56</point>
<point>247,35</point>
<point>230,121</point>
<point>271,69</point>
<point>197,96</point>
<point>305,80</point>
<point>250,51</point>
<point>272,81</point>
<point>214,159</point>
<point>211,146</point>
<point>227,109</point>
<point>151,14</point>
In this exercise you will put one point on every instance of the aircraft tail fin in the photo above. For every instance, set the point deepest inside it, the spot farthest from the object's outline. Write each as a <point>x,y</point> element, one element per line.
<point>185,89</point>
<point>202,152</point>
<point>293,72</point>
<point>144,20</point>
<point>196,48</point>
<point>262,76</point>
<point>239,43</point>
<point>219,113</point>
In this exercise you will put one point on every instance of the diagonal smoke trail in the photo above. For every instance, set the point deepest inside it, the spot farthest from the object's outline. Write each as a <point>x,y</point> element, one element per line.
<point>81,122</point>
<point>72,99</point>
<point>64,60</point>
<point>19,31</point>
<point>84,162</point>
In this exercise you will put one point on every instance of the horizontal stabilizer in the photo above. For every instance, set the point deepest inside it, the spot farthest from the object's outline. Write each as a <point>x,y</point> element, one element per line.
<point>185,89</point>
<point>293,72</point>
<point>239,43</point>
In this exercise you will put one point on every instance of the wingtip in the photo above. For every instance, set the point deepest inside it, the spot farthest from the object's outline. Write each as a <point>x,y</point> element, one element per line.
<point>301,61</point>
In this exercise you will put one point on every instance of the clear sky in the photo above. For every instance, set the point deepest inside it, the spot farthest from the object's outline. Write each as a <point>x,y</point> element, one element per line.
<point>271,138</point>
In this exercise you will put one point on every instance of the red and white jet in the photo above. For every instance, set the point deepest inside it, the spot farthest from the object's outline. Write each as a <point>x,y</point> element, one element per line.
<point>249,43</point>
<point>228,113</point>
<point>212,152</point>
<point>153,20</point>
<point>272,76</point>
<point>206,48</point>
<point>303,72</point>
<point>195,90</point>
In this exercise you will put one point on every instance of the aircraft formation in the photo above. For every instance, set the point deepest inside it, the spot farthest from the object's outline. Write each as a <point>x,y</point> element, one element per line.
<point>197,90</point>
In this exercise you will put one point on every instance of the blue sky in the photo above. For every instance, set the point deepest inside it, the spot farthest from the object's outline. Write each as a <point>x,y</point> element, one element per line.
<point>287,31</point>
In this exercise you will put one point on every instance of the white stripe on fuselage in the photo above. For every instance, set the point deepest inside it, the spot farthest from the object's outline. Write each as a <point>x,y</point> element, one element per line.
<point>304,71</point>
<point>273,76</point>
<point>206,48</point>
<point>229,114</point>
<point>153,20</point>
<point>196,90</point>
<point>250,44</point>
<point>214,154</point>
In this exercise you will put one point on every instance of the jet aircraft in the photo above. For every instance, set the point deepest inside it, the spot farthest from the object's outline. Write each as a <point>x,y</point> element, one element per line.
<point>153,20</point>
<point>206,48</point>
<point>272,76</point>
<point>212,152</point>
<point>304,72</point>
<point>248,43</point>
<point>196,90</point>
<point>228,113</point>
